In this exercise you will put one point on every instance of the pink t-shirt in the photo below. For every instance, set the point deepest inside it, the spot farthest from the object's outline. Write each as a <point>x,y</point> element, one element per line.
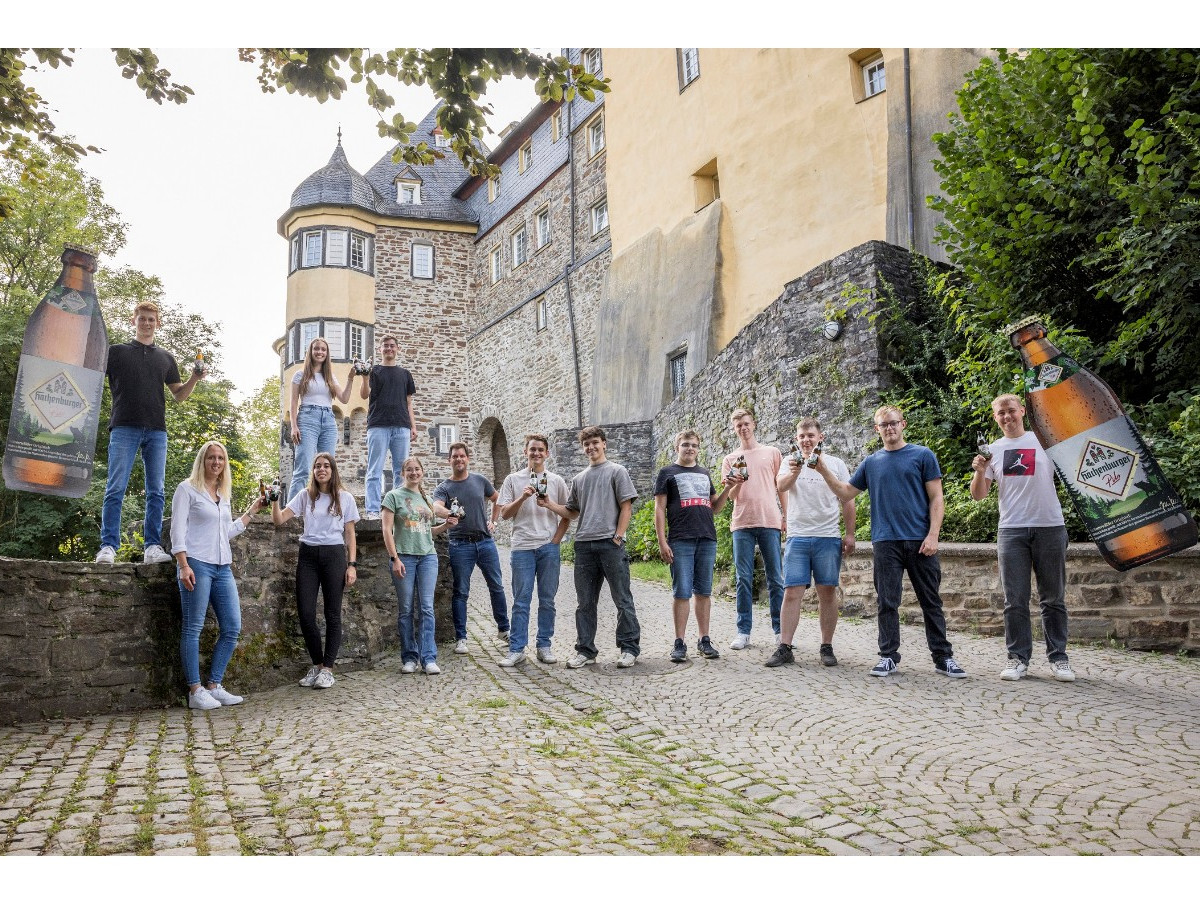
<point>757,503</point>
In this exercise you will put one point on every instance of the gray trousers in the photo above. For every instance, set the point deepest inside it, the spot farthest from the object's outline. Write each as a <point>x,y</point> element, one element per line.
<point>1041,552</point>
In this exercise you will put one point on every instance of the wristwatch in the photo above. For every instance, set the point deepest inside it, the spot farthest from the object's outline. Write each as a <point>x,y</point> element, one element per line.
<point>352,563</point>
<point>394,558</point>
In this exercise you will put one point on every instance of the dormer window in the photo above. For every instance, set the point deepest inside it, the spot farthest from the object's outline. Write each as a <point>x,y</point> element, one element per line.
<point>408,192</point>
<point>440,139</point>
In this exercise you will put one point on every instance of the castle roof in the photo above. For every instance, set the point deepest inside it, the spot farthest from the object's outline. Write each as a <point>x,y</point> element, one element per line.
<point>337,184</point>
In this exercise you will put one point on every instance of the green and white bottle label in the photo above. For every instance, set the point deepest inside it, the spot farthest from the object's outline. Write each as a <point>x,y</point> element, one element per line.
<point>56,411</point>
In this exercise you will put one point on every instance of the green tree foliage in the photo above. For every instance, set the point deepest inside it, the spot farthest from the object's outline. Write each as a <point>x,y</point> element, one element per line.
<point>259,423</point>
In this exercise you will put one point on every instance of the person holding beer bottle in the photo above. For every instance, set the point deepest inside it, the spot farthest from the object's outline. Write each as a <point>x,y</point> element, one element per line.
<point>1032,538</point>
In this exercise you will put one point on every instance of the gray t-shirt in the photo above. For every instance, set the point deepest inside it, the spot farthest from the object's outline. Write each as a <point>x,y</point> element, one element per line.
<point>597,493</point>
<point>533,526</point>
<point>472,492</point>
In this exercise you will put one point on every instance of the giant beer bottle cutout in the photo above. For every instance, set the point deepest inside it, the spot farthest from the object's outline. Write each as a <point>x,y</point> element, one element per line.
<point>1130,509</point>
<point>60,381</point>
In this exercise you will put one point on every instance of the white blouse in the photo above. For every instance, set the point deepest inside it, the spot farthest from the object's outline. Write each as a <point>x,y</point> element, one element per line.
<point>202,527</point>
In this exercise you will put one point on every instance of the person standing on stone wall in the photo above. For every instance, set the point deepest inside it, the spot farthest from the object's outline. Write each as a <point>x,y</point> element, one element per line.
<point>1032,539</point>
<point>471,542</point>
<point>685,502</point>
<point>314,430</point>
<point>907,506</point>
<point>601,499</point>
<point>137,372</point>
<point>758,520</point>
<point>815,545</point>
<point>525,499</point>
<point>391,421</point>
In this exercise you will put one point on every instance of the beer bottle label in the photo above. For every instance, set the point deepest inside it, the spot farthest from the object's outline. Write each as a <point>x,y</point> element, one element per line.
<point>1050,373</point>
<point>56,411</point>
<point>70,300</point>
<point>1114,482</point>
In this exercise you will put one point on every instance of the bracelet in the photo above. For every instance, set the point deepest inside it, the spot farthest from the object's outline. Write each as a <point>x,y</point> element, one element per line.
<point>352,563</point>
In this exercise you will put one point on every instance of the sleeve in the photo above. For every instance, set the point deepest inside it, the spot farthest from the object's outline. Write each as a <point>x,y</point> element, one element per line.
<point>861,477</point>
<point>624,485</point>
<point>171,375</point>
<point>179,518</point>
<point>508,491</point>
<point>296,376</point>
<point>561,492</point>
<point>725,467</point>
<point>489,490</point>
<point>441,493</point>
<point>349,507</point>
<point>412,385</point>
<point>660,482</point>
<point>841,470</point>
<point>930,470</point>
<point>573,496</point>
<point>237,526</point>
<point>712,488</point>
<point>993,467</point>
<point>776,460</point>
<point>389,501</point>
<point>296,504</point>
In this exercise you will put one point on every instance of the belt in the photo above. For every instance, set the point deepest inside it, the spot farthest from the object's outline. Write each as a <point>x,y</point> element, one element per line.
<point>473,537</point>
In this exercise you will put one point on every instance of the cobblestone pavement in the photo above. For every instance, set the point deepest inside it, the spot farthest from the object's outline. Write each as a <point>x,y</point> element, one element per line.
<point>722,756</point>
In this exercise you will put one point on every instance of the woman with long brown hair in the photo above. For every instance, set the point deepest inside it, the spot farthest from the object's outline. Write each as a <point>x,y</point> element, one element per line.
<point>327,561</point>
<point>314,429</point>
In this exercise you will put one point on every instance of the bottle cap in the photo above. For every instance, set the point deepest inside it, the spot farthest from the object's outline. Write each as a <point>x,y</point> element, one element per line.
<point>79,248</point>
<point>1012,329</point>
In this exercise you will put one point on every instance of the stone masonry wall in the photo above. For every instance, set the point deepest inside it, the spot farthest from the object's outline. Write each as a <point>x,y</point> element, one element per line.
<point>80,639</point>
<point>630,444</point>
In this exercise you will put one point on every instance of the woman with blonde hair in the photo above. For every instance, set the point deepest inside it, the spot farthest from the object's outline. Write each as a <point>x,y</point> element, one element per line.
<point>329,514</point>
<point>314,429</point>
<point>408,532</point>
<point>202,525</point>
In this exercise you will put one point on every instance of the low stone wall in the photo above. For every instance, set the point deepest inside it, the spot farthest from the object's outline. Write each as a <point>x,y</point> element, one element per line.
<point>79,639</point>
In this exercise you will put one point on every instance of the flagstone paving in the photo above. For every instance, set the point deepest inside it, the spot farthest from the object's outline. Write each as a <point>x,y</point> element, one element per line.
<point>717,757</point>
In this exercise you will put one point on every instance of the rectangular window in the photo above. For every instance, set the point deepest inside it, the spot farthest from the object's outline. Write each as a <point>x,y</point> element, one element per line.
<point>520,247</point>
<point>335,249</point>
<point>308,331</point>
<point>595,132</point>
<point>358,342</point>
<point>678,364</point>
<point>688,59</point>
<point>295,259</point>
<point>446,435</point>
<point>422,260</point>
<point>296,353</point>
<point>555,125</point>
<point>593,62</point>
<point>440,140</point>
<point>493,188</point>
<point>874,77</point>
<point>335,337</point>
<point>358,252</point>
<point>494,262</point>
<point>599,217</point>
<point>408,193</point>
<point>542,221</point>
<point>312,248</point>
<point>543,315</point>
<point>525,157</point>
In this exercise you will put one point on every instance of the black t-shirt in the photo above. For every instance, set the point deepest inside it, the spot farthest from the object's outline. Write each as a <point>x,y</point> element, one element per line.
<point>136,375</point>
<point>689,501</point>
<point>390,390</point>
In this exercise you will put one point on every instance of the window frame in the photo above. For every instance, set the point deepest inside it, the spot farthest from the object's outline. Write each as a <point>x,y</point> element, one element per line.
<point>493,188</point>
<point>593,212</point>
<point>525,157</point>
<point>294,259</point>
<point>593,66</point>
<point>677,371</point>
<point>541,215</point>
<point>412,267</point>
<point>523,234</point>
<point>496,263</point>
<point>313,254</point>
<point>356,334</point>
<point>681,61</point>
<point>555,125</point>
<point>541,314</point>
<point>336,242</point>
<point>596,127</point>
<point>414,186</point>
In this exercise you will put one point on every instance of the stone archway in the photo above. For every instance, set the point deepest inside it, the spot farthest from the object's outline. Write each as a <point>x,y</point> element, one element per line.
<point>501,461</point>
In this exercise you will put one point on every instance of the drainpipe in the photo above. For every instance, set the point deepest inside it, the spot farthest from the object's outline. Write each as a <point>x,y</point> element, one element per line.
<point>568,268</point>
<point>910,201</point>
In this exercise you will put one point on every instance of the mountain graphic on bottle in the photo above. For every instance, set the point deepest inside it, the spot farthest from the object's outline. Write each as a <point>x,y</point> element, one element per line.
<point>1129,508</point>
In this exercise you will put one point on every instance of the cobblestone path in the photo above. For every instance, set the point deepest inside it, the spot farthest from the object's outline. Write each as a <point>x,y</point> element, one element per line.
<point>722,756</point>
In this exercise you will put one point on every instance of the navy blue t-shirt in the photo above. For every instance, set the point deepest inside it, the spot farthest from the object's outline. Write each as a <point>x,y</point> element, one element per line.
<point>896,481</point>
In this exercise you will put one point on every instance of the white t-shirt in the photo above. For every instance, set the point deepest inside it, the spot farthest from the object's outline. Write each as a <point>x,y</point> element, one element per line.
<point>813,509</point>
<point>317,393</point>
<point>1024,476</point>
<point>533,526</point>
<point>320,528</point>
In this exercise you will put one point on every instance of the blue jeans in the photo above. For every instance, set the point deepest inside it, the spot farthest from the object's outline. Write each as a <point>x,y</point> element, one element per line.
<point>464,557</point>
<point>744,542</point>
<point>544,564</point>
<point>419,572</point>
<point>318,434</point>
<point>215,586</point>
<point>892,560</point>
<point>692,570</point>
<point>380,442</point>
<point>124,443</point>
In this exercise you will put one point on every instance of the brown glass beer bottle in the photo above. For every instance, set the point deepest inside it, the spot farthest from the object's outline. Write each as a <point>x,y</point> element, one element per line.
<point>1129,508</point>
<point>60,381</point>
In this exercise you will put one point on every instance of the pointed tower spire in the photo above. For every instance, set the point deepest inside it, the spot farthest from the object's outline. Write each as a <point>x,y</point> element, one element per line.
<point>339,134</point>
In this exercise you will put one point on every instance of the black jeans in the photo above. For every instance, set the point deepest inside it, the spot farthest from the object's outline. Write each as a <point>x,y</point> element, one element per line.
<point>1042,552</point>
<point>321,567</point>
<point>597,561</point>
<point>892,560</point>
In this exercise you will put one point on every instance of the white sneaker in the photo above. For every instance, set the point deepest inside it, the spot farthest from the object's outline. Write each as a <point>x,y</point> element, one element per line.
<point>461,646</point>
<point>578,661</point>
<point>408,668</point>
<point>1014,670</point>
<point>546,655</point>
<point>106,555</point>
<point>741,642</point>
<point>513,659</point>
<point>156,554</point>
<point>1061,669</point>
<point>324,679</point>
<point>202,699</point>
<point>626,661</point>
<point>431,668</point>
<point>222,696</point>
<point>310,677</point>
<point>371,516</point>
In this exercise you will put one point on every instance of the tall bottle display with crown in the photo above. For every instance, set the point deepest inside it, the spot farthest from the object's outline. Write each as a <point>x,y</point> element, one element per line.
<point>1129,508</point>
<point>56,405</point>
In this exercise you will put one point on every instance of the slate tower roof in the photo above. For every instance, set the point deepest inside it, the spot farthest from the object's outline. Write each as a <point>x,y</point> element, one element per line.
<point>337,184</point>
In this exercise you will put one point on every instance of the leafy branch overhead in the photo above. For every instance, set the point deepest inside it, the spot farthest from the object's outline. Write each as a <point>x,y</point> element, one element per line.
<point>457,76</point>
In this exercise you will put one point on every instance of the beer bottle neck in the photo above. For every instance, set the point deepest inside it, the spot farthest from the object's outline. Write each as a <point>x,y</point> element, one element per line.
<point>1036,352</point>
<point>77,278</point>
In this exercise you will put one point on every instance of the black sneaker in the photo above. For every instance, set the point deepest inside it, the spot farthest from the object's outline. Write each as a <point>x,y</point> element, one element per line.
<point>827,657</point>
<point>782,654</point>
<point>706,648</point>
<point>679,651</point>
<point>950,668</point>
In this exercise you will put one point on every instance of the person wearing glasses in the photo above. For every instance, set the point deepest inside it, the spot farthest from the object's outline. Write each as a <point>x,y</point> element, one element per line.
<point>907,506</point>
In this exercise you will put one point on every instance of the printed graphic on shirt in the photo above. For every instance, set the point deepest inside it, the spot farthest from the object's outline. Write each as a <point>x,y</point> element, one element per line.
<point>693,489</point>
<point>416,519</point>
<point>1021,461</point>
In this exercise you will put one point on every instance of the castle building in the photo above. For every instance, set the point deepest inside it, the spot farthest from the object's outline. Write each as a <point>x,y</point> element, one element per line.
<point>629,247</point>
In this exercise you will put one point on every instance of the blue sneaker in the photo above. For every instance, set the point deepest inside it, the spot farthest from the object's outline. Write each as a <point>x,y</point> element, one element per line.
<point>949,668</point>
<point>886,666</point>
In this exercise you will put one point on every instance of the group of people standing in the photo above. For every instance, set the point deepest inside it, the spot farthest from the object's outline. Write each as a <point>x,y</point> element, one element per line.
<point>809,499</point>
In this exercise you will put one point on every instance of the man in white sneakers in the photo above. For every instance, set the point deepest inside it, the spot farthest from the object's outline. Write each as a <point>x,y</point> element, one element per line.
<point>815,544</point>
<point>1032,539</point>
<point>537,532</point>
<point>757,521</point>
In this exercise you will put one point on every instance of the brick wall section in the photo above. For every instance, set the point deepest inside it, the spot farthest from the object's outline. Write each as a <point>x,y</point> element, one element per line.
<point>80,639</point>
